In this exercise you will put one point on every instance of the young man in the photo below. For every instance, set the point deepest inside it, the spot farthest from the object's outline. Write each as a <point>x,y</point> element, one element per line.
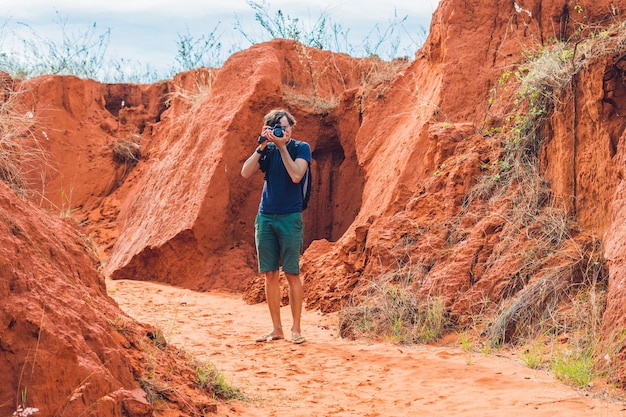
<point>279,227</point>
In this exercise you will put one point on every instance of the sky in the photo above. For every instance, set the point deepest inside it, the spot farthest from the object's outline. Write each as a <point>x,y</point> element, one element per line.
<point>147,31</point>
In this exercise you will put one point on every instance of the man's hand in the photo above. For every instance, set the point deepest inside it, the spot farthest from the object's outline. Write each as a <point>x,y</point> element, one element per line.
<point>281,142</point>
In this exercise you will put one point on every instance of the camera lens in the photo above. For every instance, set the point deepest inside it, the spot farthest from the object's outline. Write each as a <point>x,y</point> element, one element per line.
<point>278,131</point>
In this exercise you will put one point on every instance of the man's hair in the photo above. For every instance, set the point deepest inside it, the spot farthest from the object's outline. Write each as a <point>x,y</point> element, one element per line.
<point>273,117</point>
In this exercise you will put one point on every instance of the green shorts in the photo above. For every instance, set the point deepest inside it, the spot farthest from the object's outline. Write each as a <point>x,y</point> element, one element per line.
<point>279,240</point>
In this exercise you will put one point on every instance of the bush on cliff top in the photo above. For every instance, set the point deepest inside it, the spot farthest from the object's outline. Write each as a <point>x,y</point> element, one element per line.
<point>84,54</point>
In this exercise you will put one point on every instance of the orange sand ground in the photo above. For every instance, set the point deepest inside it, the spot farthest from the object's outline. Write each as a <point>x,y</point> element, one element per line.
<point>329,376</point>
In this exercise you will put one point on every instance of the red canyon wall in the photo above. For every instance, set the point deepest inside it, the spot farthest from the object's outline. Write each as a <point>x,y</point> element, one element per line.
<point>65,346</point>
<point>395,152</point>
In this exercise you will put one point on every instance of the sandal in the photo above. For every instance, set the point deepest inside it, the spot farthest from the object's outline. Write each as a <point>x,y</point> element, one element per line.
<point>267,338</point>
<point>298,340</point>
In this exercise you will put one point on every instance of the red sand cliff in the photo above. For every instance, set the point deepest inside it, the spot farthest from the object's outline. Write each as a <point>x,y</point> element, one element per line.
<point>397,147</point>
<point>65,346</point>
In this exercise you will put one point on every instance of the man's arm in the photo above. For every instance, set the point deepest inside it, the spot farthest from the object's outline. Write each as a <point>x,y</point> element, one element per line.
<point>296,169</point>
<point>252,164</point>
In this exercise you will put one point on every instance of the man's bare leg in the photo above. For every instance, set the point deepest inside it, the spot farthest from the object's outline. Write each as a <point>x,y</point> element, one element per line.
<point>272,294</point>
<point>296,294</point>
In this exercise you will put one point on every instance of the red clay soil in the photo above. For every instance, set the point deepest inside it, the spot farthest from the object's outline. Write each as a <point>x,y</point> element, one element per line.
<point>65,346</point>
<point>402,157</point>
<point>333,376</point>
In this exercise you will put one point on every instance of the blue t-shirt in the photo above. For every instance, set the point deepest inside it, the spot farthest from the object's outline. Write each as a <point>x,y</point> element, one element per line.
<point>280,194</point>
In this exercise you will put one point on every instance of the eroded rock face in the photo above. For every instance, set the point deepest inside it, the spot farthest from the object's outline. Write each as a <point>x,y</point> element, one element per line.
<point>58,345</point>
<point>189,218</point>
<point>399,158</point>
<point>614,320</point>
<point>65,346</point>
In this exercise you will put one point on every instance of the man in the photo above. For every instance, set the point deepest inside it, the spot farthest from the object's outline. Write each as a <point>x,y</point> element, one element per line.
<point>279,227</point>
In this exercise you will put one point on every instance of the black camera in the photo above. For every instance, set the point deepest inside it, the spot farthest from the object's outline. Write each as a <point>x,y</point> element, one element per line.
<point>278,132</point>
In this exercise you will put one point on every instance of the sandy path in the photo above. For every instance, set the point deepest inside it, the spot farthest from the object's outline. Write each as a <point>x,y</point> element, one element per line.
<point>328,376</point>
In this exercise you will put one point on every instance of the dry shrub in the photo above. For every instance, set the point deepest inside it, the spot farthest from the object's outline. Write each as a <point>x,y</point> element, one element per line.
<point>390,310</point>
<point>202,86</point>
<point>374,74</point>
<point>558,321</point>
<point>555,260</point>
<point>376,71</point>
<point>557,265</point>
<point>579,269</point>
<point>127,151</point>
<point>21,153</point>
<point>174,379</point>
<point>316,103</point>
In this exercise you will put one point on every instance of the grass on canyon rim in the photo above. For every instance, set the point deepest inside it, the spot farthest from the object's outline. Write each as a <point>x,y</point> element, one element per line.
<point>84,53</point>
<point>21,153</point>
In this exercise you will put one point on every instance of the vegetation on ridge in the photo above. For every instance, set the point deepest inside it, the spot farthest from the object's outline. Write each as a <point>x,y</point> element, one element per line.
<point>551,306</point>
<point>84,54</point>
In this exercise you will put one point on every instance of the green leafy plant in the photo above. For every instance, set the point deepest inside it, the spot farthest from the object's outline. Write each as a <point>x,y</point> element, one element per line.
<point>466,342</point>
<point>208,376</point>
<point>574,367</point>
<point>533,356</point>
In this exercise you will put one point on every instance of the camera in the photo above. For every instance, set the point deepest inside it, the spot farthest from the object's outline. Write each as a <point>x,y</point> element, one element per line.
<point>278,132</point>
